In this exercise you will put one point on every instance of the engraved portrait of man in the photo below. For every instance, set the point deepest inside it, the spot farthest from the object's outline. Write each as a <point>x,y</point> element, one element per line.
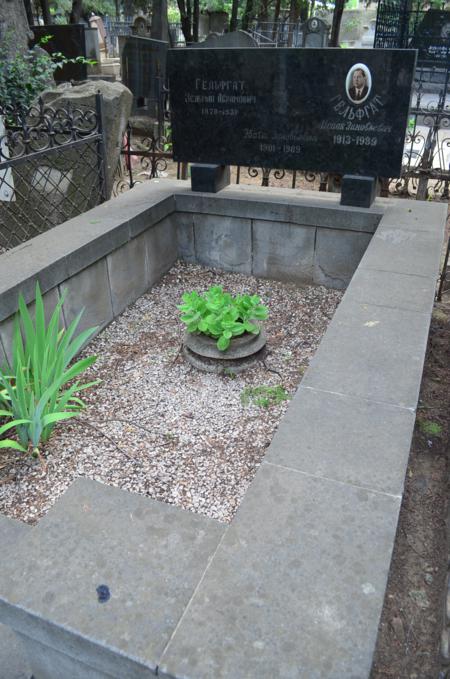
<point>358,83</point>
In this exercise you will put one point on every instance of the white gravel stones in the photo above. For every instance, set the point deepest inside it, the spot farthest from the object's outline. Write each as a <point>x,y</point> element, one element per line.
<point>159,427</point>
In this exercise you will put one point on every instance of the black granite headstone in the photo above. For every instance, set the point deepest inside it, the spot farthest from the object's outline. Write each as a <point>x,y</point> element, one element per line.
<point>70,40</point>
<point>432,37</point>
<point>332,110</point>
<point>144,71</point>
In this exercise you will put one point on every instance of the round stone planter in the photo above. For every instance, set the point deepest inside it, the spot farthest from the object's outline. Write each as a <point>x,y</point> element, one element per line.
<point>201,351</point>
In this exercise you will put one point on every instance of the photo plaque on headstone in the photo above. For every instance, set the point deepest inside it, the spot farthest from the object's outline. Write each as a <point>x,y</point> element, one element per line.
<point>331,110</point>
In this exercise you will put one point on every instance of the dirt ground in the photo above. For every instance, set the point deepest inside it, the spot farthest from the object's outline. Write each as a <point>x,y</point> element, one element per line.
<point>412,620</point>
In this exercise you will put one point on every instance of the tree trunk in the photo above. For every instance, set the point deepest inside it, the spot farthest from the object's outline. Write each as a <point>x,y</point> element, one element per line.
<point>336,25</point>
<point>46,13</point>
<point>185,21</point>
<point>263,10</point>
<point>248,15</point>
<point>77,11</point>
<point>160,24</point>
<point>294,9</point>
<point>234,11</point>
<point>29,11</point>
<point>14,30</point>
<point>128,8</point>
<point>196,20</point>
<point>117,5</point>
<point>276,20</point>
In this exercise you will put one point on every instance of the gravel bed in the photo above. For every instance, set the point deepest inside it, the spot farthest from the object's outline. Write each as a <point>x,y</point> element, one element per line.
<point>156,425</point>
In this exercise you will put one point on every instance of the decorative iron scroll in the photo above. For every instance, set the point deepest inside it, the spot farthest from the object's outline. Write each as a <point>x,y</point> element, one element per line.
<point>42,127</point>
<point>52,167</point>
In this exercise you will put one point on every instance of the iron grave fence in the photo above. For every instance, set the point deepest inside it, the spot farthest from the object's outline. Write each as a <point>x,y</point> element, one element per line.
<point>52,168</point>
<point>406,24</point>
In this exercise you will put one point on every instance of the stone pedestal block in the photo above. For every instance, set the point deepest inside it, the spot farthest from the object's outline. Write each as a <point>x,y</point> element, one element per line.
<point>358,191</point>
<point>209,178</point>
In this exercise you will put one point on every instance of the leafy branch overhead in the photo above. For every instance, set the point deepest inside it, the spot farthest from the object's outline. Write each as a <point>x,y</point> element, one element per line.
<point>219,315</point>
<point>24,77</point>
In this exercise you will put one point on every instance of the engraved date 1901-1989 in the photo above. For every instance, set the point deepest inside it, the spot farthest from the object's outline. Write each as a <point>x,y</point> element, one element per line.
<point>347,140</point>
<point>280,148</point>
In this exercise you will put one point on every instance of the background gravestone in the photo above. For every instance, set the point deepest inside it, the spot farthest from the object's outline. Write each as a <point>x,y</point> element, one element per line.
<point>143,63</point>
<point>117,101</point>
<point>70,40</point>
<point>234,39</point>
<point>432,36</point>
<point>315,33</point>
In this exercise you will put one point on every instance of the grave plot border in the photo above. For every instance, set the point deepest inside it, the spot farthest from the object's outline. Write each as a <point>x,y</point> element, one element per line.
<point>294,586</point>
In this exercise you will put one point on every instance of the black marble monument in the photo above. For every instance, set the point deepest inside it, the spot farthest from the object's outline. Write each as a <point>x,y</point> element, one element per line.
<point>332,110</point>
<point>143,63</point>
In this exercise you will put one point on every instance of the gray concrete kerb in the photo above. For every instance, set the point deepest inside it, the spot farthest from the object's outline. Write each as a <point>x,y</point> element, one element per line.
<point>314,533</point>
<point>150,555</point>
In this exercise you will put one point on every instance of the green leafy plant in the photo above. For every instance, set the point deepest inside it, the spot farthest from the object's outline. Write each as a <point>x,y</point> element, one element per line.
<point>219,315</point>
<point>264,396</point>
<point>37,388</point>
<point>24,76</point>
<point>430,428</point>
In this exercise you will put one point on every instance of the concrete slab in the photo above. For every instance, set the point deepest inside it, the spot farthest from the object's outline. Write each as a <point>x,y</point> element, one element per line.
<point>3,356</point>
<point>415,215</point>
<point>345,439</point>
<point>307,208</point>
<point>283,253</point>
<point>386,288</point>
<point>223,242</point>
<point>185,235</point>
<point>68,248</point>
<point>39,258</point>
<point>337,255</point>
<point>128,273</point>
<point>13,661</point>
<point>296,587</point>
<point>161,248</point>
<point>371,352</point>
<point>150,555</point>
<point>405,251</point>
<point>90,290</point>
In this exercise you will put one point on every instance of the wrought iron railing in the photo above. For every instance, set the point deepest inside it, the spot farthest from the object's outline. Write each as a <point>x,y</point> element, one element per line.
<point>52,167</point>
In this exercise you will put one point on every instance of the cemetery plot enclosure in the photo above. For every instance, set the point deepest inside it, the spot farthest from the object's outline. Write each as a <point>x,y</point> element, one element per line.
<point>328,491</point>
<point>51,168</point>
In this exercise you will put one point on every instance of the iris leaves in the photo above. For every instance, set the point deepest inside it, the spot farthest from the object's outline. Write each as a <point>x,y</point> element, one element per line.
<point>38,387</point>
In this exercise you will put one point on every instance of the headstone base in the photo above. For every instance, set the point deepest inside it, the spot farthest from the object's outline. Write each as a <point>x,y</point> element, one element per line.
<point>358,191</point>
<point>209,178</point>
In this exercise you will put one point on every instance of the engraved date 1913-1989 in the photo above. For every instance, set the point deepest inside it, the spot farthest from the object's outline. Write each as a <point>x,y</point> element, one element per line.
<point>348,139</point>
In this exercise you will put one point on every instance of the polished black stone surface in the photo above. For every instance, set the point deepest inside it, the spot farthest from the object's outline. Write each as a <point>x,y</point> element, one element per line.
<point>209,178</point>
<point>358,191</point>
<point>432,36</point>
<point>291,108</point>
<point>143,63</point>
<point>69,40</point>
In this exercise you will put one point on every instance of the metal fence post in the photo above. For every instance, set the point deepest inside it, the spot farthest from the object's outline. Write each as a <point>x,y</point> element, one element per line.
<point>104,188</point>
